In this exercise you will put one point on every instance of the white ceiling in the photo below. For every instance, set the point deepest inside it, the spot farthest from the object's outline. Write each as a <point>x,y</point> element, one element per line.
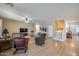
<point>44,13</point>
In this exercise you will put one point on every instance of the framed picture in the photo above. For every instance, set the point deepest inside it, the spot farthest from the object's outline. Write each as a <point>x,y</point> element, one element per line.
<point>42,29</point>
<point>45,29</point>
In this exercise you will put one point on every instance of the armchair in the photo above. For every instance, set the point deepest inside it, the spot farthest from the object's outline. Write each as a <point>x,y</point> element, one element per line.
<point>19,42</point>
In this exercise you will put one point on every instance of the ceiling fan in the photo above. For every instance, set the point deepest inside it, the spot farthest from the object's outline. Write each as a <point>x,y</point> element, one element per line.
<point>10,4</point>
<point>27,20</point>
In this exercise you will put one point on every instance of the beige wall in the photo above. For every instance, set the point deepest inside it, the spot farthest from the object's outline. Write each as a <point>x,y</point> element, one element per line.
<point>0,26</point>
<point>13,26</point>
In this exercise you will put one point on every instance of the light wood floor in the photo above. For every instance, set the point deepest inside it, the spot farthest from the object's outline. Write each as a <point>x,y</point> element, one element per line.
<point>52,48</point>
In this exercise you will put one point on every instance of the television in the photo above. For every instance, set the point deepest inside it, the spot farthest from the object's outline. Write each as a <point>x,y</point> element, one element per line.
<point>23,30</point>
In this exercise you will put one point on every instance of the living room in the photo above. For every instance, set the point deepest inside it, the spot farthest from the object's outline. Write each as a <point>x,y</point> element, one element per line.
<point>39,29</point>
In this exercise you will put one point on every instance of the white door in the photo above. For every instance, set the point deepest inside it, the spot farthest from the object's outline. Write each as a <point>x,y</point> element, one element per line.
<point>50,31</point>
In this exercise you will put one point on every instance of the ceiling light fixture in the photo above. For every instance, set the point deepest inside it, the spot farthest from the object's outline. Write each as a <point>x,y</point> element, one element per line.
<point>27,20</point>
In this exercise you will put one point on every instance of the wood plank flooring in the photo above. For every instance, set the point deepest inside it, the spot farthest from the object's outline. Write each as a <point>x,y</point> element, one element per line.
<point>52,48</point>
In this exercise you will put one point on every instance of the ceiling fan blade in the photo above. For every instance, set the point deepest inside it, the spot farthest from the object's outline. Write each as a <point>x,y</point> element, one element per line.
<point>10,4</point>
